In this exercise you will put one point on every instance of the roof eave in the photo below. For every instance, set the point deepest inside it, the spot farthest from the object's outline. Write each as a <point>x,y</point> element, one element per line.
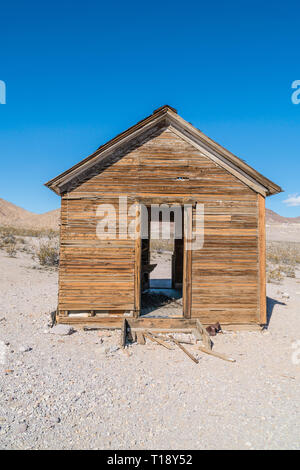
<point>165,116</point>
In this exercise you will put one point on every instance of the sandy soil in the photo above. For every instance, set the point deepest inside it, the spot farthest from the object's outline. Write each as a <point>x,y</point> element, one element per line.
<point>283,232</point>
<point>81,391</point>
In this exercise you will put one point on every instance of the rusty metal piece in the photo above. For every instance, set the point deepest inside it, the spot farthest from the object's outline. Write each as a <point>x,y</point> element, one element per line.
<point>212,330</point>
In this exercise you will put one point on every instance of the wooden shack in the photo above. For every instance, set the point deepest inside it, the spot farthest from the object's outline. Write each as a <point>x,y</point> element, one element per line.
<point>163,159</point>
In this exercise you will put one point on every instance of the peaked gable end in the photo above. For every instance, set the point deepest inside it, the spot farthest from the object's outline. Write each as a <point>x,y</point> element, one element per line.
<point>151,127</point>
<point>165,166</point>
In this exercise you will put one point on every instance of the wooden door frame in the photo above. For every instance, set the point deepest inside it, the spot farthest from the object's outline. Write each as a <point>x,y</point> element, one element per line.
<point>187,262</point>
<point>137,263</point>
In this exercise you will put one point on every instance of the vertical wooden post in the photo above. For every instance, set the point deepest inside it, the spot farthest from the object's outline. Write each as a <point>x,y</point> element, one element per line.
<point>123,334</point>
<point>187,262</point>
<point>137,263</point>
<point>262,259</point>
<point>63,211</point>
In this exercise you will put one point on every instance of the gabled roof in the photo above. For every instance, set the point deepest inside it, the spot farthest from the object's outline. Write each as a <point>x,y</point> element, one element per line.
<point>162,118</point>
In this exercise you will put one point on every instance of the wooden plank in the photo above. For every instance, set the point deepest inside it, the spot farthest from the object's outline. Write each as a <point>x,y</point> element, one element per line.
<point>216,354</point>
<point>154,339</point>
<point>163,325</point>
<point>187,262</point>
<point>165,338</point>
<point>156,331</point>
<point>205,336</point>
<point>140,337</point>
<point>123,333</point>
<point>184,349</point>
<point>262,259</point>
<point>197,334</point>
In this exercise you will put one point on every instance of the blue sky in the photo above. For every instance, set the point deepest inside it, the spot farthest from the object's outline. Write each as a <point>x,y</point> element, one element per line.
<point>78,73</point>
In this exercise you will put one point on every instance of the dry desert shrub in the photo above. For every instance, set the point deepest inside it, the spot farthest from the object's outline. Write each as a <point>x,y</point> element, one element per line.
<point>52,234</point>
<point>282,260</point>
<point>274,276</point>
<point>48,253</point>
<point>8,242</point>
<point>28,232</point>
<point>284,253</point>
<point>288,271</point>
<point>7,238</point>
<point>162,245</point>
<point>12,241</point>
<point>11,250</point>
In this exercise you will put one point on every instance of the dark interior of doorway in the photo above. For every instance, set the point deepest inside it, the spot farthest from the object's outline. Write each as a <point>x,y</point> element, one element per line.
<point>162,270</point>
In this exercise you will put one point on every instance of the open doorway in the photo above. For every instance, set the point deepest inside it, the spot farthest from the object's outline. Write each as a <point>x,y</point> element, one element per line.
<point>162,259</point>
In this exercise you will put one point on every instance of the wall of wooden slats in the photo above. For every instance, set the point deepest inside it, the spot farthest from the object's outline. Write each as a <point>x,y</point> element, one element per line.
<point>99,274</point>
<point>94,274</point>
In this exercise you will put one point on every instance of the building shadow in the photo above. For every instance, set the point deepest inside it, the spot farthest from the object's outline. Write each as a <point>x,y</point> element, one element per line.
<point>270,307</point>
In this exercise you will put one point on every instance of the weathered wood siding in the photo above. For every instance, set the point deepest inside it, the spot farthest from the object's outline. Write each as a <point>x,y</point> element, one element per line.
<point>99,274</point>
<point>94,274</point>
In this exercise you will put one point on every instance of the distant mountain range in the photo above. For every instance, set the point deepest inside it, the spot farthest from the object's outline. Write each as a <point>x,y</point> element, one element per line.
<point>274,218</point>
<point>14,216</point>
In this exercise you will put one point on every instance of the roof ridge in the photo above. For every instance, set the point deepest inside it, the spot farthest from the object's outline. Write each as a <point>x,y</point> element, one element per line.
<point>164,117</point>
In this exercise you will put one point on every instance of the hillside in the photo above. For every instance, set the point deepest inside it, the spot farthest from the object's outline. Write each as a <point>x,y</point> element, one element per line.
<point>15,216</point>
<point>274,218</point>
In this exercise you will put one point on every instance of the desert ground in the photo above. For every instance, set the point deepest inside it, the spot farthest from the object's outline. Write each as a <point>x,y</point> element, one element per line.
<point>81,391</point>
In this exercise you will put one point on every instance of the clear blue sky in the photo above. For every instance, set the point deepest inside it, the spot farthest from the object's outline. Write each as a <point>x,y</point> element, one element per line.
<point>78,73</point>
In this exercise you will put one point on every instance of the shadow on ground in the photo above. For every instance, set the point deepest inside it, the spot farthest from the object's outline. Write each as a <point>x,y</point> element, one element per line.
<point>270,307</point>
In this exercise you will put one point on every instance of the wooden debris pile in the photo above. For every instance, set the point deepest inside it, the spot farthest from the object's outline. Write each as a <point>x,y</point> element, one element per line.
<point>168,341</point>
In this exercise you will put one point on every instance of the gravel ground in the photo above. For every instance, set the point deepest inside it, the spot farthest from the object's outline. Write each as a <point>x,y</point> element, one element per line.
<point>81,392</point>
<point>283,232</point>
